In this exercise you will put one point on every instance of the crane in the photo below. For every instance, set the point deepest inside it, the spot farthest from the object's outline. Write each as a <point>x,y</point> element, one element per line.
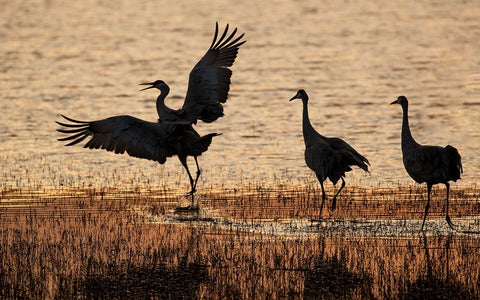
<point>173,134</point>
<point>328,157</point>
<point>208,85</point>
<point>429,164</point>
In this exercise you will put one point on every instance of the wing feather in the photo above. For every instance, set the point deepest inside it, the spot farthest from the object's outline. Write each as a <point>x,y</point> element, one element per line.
<point>70,130</point>
<point>72,137</point>
<point>215,35</point>
<point>209,81</point>
<point>222,37</point>
<point>77,141</point>
<point>118,134</point>
<point>227,39</point>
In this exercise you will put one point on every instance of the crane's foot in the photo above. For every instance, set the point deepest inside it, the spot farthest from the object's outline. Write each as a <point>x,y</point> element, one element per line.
<point>192,195</point>
<point>423,225</point>
<point>450,222</point>
<point>186,205</point>
<point>187,209</point>
<point>319,220</point>
<point>191,192</point>
<point>319,217</point>
<point>334,204</point>
<point>318,223</point>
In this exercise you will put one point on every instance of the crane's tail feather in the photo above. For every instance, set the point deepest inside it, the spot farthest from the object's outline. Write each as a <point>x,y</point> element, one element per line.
<point>365,169</point>
<point>455,168</point>
<point>365,163</point>
<point>204,142</point>
<point>360,161</point>
<point>210,135</point>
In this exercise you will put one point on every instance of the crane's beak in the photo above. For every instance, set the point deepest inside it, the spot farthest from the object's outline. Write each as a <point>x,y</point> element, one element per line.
<point>147,83</point>
<point>395,102</point>
<point>294,97</point>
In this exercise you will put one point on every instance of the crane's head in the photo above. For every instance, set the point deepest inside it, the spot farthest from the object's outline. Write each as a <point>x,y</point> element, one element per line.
<point>301,94</point>
<point>158,84</point>
<point>402,100</point>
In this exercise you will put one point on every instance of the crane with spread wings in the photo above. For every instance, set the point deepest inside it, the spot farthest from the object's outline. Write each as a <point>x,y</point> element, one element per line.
<point>173,134</point>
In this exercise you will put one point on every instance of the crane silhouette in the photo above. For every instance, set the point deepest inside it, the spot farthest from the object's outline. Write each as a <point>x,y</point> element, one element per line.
<point>173,134</point>
<point>208,85</point>
<point>430,164</point>
<point>327,157</point>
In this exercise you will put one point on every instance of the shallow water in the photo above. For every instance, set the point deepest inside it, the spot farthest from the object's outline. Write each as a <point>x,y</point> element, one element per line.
<point>110,243</point>
<point>85,59</point>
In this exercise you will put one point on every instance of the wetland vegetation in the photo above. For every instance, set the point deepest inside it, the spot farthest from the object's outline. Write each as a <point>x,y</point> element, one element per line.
<point>246,242</point>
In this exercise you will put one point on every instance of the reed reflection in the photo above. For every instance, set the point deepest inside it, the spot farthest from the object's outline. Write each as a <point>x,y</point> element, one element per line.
<point>437,281</point>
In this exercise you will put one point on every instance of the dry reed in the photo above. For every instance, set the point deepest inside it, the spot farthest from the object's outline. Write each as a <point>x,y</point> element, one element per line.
<point>91,243</point>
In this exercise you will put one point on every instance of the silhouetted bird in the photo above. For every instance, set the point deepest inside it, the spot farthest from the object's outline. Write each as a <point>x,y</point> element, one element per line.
<point>173,135</point>
<point>208,84</point>
<point>430,164</point>
<point>327,157</point>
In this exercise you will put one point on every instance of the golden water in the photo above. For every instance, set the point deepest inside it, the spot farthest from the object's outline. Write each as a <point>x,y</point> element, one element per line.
<point>85,59</point>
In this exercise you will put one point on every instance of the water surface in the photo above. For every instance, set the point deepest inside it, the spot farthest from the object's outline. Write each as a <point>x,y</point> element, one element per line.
<point>85,59</point>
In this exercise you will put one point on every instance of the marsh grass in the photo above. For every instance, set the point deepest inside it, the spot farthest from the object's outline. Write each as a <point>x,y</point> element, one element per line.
<point>95,243</point>
<point>284,201</point>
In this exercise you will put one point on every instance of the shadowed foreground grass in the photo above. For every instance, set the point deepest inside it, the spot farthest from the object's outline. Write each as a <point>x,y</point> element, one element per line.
<point>86,243</point>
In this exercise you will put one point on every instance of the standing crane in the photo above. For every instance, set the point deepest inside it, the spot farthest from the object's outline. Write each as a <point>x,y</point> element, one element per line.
<point>173,134</point>
<point>430,164</point>
<point>327,157</point>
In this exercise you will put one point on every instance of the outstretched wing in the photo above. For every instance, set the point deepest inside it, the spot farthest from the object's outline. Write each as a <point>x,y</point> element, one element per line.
<point>121,134</point>
<point>209,80</point>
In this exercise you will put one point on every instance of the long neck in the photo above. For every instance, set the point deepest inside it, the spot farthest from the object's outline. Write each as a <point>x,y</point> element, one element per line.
<point>308,131</point>
<point>407,138</point>
<point>161,101</point>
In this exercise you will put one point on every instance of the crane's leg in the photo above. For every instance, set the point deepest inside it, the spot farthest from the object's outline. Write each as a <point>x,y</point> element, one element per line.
<point>198,174</point>
<point>334,201</point>
<point>183,160</point>
<point>448,217</point>
<point>323,198</point>
<point>429,189</point>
